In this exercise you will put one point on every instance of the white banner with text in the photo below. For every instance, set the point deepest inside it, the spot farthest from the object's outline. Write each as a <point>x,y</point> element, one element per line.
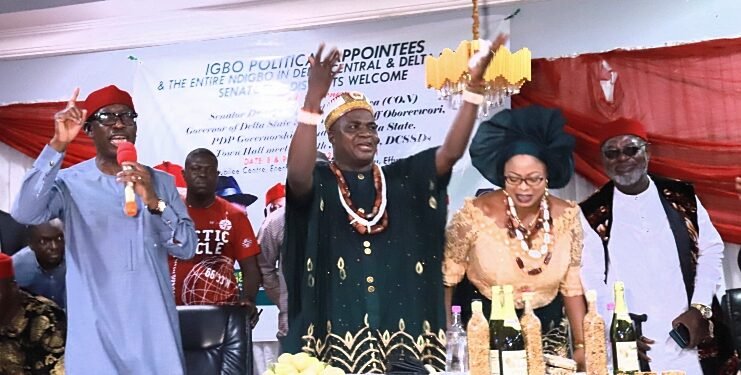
<point>242,103</point>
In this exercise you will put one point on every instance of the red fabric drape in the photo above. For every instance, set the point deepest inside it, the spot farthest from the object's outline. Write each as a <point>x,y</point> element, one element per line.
<point>28,127</point>
<point>688,97</point>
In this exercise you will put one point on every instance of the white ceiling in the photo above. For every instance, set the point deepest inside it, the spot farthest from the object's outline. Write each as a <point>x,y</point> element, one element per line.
<point>86,26</point>
<point>11,6</point>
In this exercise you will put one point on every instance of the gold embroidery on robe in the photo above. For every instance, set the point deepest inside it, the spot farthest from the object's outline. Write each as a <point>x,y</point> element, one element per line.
<point>367,350</point>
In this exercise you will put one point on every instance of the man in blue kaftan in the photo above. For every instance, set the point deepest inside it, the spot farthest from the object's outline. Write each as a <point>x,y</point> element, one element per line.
<point>121,313</point>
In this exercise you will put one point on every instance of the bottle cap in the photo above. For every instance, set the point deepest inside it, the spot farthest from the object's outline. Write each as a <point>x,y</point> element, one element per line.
<point>527,296</point>
<point>456,309</point>
<point>619,285</point>
<point>476,306</point>
<point>591,295</point>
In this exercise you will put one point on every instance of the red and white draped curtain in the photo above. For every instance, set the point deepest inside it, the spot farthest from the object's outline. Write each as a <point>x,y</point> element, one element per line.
<point>28,127</point>
<point>687,96</point>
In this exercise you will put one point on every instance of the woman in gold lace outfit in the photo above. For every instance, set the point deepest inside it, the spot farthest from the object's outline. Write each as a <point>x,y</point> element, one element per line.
<point>521,235</point>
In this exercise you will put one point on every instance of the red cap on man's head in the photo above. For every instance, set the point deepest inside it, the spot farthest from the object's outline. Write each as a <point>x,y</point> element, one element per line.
<point>277,191</point>
<point>106,96</point>
<point>622,126</point>
<point>175,170</point>
<point>6,266</point>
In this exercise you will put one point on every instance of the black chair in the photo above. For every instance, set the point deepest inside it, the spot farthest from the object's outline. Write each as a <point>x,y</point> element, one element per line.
<point>732,316</point>
<point>216,340</point>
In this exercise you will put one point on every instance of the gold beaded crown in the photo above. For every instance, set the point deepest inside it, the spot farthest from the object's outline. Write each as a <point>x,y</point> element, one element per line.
<point>343,103</point>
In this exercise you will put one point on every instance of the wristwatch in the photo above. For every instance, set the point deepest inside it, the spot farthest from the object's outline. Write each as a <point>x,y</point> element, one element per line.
<point>704,310</point>
<point>159,209</point>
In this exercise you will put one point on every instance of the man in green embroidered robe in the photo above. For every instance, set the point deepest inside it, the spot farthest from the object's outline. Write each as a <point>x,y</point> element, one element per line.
<point>364,243</point>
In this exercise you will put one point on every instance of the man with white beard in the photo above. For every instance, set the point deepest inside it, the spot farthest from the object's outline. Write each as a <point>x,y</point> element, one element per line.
<point>655,236</point>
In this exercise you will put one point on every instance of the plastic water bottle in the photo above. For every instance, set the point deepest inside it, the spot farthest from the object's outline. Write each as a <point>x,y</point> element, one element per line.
<point>456,349</point>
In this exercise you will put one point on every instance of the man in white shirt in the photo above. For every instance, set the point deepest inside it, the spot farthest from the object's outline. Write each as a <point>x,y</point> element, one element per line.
<point>655,236</point>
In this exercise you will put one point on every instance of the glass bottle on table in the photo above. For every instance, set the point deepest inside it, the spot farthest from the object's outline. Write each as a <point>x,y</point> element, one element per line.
<point>594,338</point>
<point>496,321</point>
<point>531,329</point>
<point>623,336</point>
<point>456,348</point>
<point>513,356</point>
<point>478,341</point>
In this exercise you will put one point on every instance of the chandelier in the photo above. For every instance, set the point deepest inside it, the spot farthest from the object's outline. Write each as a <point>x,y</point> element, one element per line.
<point>448,74</point>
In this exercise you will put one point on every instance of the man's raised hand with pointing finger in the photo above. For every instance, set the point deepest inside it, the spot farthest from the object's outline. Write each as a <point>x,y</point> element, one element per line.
<point>67,123</point>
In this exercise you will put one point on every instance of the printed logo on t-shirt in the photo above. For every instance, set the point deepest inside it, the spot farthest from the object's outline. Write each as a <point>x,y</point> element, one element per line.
<point>225,224</point>
<point>211,241</point>
<point>210,282</point>
<point>246,243</point>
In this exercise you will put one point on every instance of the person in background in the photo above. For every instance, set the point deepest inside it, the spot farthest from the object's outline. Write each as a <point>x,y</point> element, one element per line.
<point>176,172</point>
<point>275,198</point>
<point>521,235</point>
<point>39,267</point>
<point>32,329</point>
<point>655,236</point>
<point>363,242</point>
<point>121,315</point>
<point>228,188</point>
<point>224,236</point>
<point>13,235</point>
<point>270,237</point>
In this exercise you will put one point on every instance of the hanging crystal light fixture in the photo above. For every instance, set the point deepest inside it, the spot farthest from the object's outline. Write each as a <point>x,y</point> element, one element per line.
<point>448,74</point>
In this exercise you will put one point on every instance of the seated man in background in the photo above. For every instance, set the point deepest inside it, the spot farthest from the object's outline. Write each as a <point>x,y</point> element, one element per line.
<point>32,329</point>
<point>39,267</point>
<point>224,236</point>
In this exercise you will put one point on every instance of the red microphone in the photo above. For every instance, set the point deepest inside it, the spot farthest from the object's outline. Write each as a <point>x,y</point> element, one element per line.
<point>127,152</point>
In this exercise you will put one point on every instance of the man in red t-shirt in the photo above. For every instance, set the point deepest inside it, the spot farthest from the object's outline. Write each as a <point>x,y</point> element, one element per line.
<point>225,235</point>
